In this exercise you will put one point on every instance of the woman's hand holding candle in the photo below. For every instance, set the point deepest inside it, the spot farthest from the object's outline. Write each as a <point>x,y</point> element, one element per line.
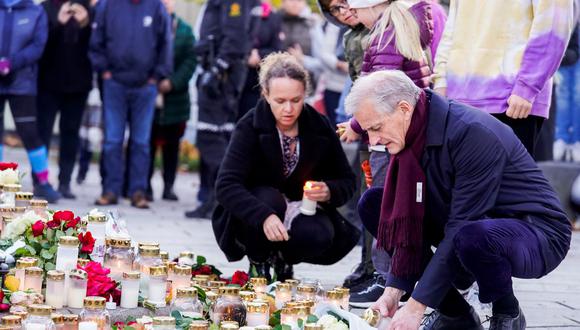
<point>274,229</point>
<point>317,191</point>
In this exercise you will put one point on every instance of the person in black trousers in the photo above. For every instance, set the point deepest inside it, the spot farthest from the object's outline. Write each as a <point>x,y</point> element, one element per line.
<point>64,81</point>
<point>275,149</point>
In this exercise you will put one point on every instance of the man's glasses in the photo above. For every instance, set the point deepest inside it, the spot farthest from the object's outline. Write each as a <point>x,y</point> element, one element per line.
<point>337,9</point>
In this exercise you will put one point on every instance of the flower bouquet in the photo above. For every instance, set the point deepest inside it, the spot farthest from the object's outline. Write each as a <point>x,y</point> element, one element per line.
<point>9,174</point>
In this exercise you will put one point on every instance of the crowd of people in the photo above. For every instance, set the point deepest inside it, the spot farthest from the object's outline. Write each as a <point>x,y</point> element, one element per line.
<point>279,89</point>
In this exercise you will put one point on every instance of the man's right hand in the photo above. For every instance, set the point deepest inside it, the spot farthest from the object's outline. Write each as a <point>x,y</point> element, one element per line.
<point>107,75</point>
<point>274,229</point>
<point>441,91</point>
<point>346,133</point>
<point>389,302</point>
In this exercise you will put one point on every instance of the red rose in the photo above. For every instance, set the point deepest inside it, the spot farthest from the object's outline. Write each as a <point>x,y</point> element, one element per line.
<point>38,228</point>
<point>240,278</point>
<point>72,223</point>
<point>63,216</point>
<point>53,224</point>
<point>87,242</point>
<point>202,270</point>
<point>4,308</point>
<point>96,269</point>
<point>5,166</point>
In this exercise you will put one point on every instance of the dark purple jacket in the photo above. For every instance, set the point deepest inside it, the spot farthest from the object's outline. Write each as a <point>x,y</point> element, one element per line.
<point>386,57</point>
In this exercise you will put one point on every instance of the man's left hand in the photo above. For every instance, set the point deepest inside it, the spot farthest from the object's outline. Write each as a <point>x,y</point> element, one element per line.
<point>409,317</point>
<point>319,192</point>
<point>519,107</point>
<point>165,86</point>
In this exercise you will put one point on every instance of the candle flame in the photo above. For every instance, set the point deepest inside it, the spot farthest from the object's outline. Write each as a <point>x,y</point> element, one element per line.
<point>308,185</point>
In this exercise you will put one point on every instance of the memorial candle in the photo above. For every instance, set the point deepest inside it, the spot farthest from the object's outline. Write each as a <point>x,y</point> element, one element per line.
<point>308,206</point>
<point>130,290</point>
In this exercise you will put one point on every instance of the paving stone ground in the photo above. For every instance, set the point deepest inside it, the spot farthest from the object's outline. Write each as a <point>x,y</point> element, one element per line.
<point>552,302</point>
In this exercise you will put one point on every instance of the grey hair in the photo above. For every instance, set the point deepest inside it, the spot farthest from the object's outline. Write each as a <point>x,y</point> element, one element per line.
<point>386,88</point>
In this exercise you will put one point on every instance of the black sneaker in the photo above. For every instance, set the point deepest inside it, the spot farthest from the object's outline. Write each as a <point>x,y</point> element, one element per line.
<point>366,297</point>
<point>204,211</point>
<point>65,192</point>
<point>506,322</point>
<point>438,321</point>
<point>360,275</point>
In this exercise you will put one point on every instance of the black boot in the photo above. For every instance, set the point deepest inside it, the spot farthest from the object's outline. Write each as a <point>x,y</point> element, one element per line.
<point>507,322</point>
<point>283,270</point>
<point>260,269</point>
<point>469,321</point>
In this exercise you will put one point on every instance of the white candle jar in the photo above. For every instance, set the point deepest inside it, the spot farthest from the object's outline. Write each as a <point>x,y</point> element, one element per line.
<point>283,294</point>
<point>55,292</point>
<point>33,279</point>
<point>71,322</point>
<point>180,279</point>
<point>229,307</point>
<point>345,297</point>
<point>247,297</point>
<point>39,318</point>
<point>199,325</point>
<point>9,194</point>
<point>97,225</point>
<point>308,206</point>
<point>77,288</point>
<point>20,271</point>
<point>294,284</point>
<point>334,297</point>
<point>148,257</point>
<point>312,326</point>
<point>39,207</point>
<point>94,312</point>
<point>187,304</point>
<point>259,284</point>
<point>67,253</point>
<point>186,259</point>
<point>164,255</point>
<point>305,292</point>
<point>130,290</point>
<point>258,314</point>
<point>157,285</point>
<point>58,320</point>
<point>375,320</point>
<point>22,199</point>
<point>12,321</point>
<point>163,323</point>
<point>119,257</point>
<point>289,317</point>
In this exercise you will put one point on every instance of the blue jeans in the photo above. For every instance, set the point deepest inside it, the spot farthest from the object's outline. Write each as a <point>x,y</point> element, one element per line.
<point>568,105</point>
<point>122,105</point>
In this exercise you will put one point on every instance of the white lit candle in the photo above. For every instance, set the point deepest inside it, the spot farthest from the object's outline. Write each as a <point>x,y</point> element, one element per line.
<point>77,289</point>
<point>283,294</point>
<point>308,206</point>
<point>130,290</point>
<point>89,325</point>
<point>258,314</point>
<point>33,279</point>
<point>35,326</point>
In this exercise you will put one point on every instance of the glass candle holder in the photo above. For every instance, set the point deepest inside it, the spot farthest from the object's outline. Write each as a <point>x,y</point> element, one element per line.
<point>12,321</point>
<point>148,257</point>
<point>20,271</point>
<point>283,294</point>
<point>163,323</point>
<point>94,315</point>
<point>9,194</point>
<point>180,279</point>
<point>33,279</point>
<point>55,292</point>
<point>305,292</point>
<point>199,325</point>
<point>23,315</point>
<point>58,320</point>
<point>375,319</point>
<point>39,207</point>
<point>334,297</point>
<point>229,326</point>
<point>119,257</point>
<point>187,304</point>
<point>23,198</point>
<point>258,314</point>
<point>312,326</point>
<point>77,288</point>
<point>345,296</point>
<point>157,285</point>
<point>308,206</point>
<point>71,322</point>
<point>97,225</point>
<point>289,316</point>
<point>39,318</point>
<point>294,284</point>
<point>186,258</point>
<point>164,255</point>
<point>259,284</point>
<point>229,307</point>
<point>247,296</point>
<point>263,327</point>
<point>130,290</point>
<point>67,253</point>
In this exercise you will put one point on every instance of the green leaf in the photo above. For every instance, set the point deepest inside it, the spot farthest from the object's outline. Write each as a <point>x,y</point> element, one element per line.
<point>214,326</point>
<point>129,328</point>
<point>59,234</point>
<point>277,327</point>
<point>201,260</point>
<point>46,254</point>
<point>131,319</point>
<point>70,232</point>
<point>53,249</point>
<point>275,318</point>
<point>286,327</point>
<point>311,319</point>
<point>300,323</point>
<point>49,266</point>
<point>22,252</point>
<point>177,315</point>
<point>31,250</point>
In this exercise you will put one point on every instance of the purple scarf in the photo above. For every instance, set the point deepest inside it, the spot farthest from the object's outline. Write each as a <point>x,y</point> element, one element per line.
<point>403,206</point>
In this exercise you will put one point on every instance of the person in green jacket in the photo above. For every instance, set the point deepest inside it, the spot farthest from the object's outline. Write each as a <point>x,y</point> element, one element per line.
<point>173,106</point>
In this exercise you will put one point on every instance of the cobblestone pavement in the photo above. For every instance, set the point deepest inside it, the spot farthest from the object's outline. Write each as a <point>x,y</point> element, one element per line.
<point>552,302</point>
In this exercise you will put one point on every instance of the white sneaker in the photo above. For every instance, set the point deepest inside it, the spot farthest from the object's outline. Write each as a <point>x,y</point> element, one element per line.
<point>575,152</point>
<point>559,149</point>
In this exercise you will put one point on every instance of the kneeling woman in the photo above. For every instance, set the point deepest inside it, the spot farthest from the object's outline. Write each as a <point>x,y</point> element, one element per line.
<point>275,149</point>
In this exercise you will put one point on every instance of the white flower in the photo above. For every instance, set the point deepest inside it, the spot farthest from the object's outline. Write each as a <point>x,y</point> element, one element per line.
<point>18,226</point>
<point>337,326</point>
<point>18,297</point>
<point>326,321</point>
<point>9,176</point>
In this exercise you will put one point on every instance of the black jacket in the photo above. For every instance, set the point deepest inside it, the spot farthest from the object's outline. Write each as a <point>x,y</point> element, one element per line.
<point>254,159</point>
<point>65,65</point>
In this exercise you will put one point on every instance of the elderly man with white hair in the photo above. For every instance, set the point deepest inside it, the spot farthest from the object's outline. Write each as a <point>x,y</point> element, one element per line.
<point>461,181</point>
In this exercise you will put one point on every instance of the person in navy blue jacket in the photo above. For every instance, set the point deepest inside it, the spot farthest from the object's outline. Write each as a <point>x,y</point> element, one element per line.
<point>461,181</point>
<point>131,49</point>
<point>23,34</point>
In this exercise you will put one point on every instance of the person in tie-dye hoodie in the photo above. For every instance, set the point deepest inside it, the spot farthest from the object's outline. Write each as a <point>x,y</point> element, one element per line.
<point>500,56</point>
